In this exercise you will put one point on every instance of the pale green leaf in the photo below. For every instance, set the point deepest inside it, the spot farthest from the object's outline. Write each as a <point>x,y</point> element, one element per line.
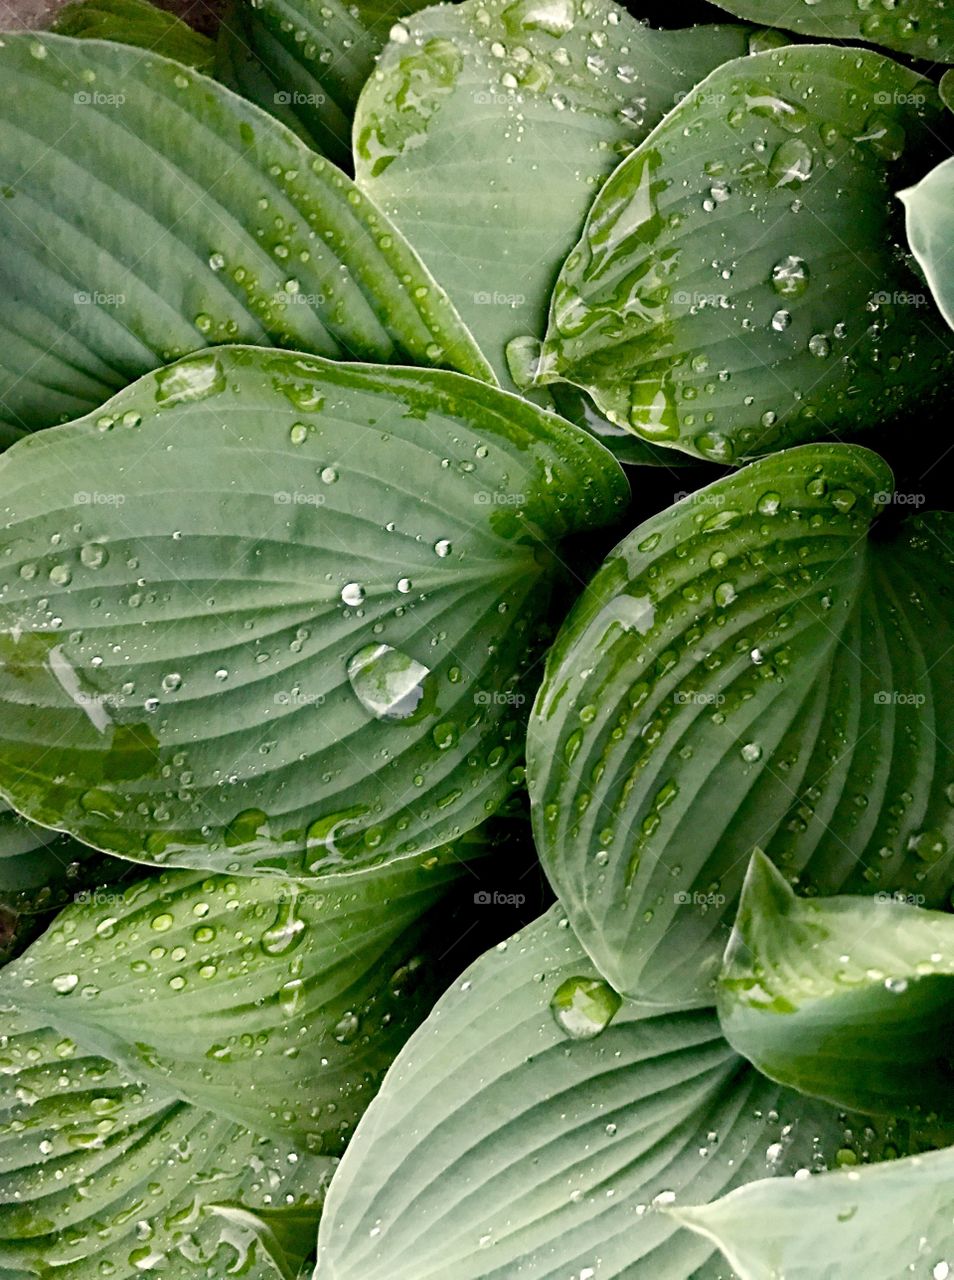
<point>487,128</point>
<point>930,220</point>
<point>500,1146</point>
<point>759,665</point>
<point>148,211</point>
<point>849,999</point>
<point>741,282</point>
<point>270,613</point>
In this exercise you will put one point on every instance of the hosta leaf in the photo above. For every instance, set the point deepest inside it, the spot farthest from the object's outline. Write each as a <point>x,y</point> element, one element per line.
<point>752,667</point>
<point>947,88</point>
<point>149,212</point>
<point>306,60</point>
<point>848,998</point>
<point>921,28</point>
<point>277,1007</point>
<point>272,613</point>
<point>713,303</point>
<point>501,1146</point>
<point>102,1174</point>
<point>881,1222</point>
<point>487,128</point>
<point>140,23</point>
<point>930,219</point>
<point>40,870</point>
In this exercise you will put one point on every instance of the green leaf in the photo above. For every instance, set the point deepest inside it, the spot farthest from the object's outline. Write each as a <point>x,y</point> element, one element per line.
<point>546,95</point>
<point>501,1146</point>
<point>40,870</point>
<point>740,283</point>
<point>136,22</point>
<point>104,1175</point>
<point>881,1222</point>
<point>305,61</point>
<point>947,88</point>
<point>848,999</point>
<point>930,220</point>
<point>269,1004</point>
<point>270,613</point>
<point>754,666</point>
<point>920,28</point>
<point>148,212</point>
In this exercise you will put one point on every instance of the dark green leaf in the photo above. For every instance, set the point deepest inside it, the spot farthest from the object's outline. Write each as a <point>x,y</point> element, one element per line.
<point>921,28</point>
<point>272,613</point>
<point>305,61</point>
<point>488,127</point>
<point>740,283</point>
<point>752,667</point>
<point>148,212</point>
<point>273,1005</point>
<point>139,23</point>
<point>848,999</point>
<point>502,1146</point>
<point>930,218</point>
<point>40,871</point>
<point>103,1175</point>
<point>883,1222</point>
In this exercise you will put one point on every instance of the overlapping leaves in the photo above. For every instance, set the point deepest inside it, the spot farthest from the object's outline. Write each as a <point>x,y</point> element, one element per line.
<point>752,667</point>
<point>487,129</point>
<point>149,212</point>
<point>711,303</point>
<point>266,612</point>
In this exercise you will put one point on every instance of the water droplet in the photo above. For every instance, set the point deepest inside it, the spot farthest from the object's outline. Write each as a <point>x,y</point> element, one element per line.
<point>584,1007</point>
<point>751,752</point>
<point>387,682</point>
<point>286,931</point>
<point>352,593</point>
<point>64,983</point>
<point>790,277</point>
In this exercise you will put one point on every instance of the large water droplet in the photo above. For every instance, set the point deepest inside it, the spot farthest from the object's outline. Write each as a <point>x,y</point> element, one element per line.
<point>584,1007</point>
<point>387,682</point>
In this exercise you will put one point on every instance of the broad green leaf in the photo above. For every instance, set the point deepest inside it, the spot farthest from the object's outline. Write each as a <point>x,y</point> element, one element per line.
<point>487,128</point>
<point>882,1222</point>
<point>930,220</point>
<point>149,212</point>
<point>755,666</point>
<point>270,613</point>
<point>105,1175</point>
<point>269,1004</point>
<point>502,1146</point>
<point>305,61</point>
<point>740,283</point>
<point>920,28</point>
<point>947,88</point>
<point>140,23</point>
<point>40,870</point>
<point>849,999</point>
